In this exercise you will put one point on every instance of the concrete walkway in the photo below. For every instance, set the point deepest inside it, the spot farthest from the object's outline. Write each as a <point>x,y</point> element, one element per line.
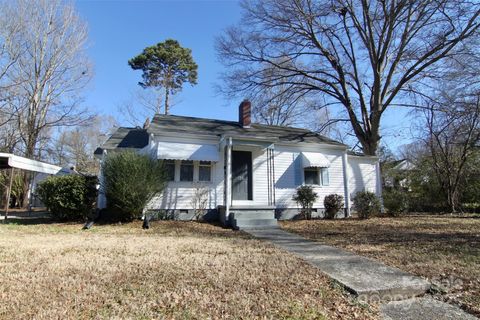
<point>369,279</point>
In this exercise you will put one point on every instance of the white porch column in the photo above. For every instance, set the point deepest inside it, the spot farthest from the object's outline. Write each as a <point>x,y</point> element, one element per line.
<point>345,183</point>
<point>228,181</point>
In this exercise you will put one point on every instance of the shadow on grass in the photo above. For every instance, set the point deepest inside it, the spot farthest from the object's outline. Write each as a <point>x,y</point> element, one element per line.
<point>443,233</point>
<point>166,227</point>
<point>31,221</point>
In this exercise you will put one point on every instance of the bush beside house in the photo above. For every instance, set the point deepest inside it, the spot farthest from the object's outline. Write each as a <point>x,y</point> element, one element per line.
<point>305,197</point>
<point>333,203</point>
<point>69,197</point>
<point>395,201</point>
<point>366,204</point>
<point>131,180</point>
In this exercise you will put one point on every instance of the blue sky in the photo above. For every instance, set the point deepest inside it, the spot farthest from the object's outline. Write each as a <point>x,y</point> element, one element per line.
<point>119,30</point>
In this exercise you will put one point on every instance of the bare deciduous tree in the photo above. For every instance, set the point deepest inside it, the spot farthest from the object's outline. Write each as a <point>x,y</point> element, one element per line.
<point>75,146</point>
<point>42,84</point>
<point>143,104</point>
<point>10,50</point>
<point>362,55</point>
<point>50,71</point>
<point>452,137</point>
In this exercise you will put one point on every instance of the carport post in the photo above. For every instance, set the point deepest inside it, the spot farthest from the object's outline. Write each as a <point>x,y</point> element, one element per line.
<point>8,193</point>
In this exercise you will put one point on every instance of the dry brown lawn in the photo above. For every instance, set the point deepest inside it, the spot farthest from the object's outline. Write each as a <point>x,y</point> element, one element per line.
<point>174,270</point>
<point>443,249</point>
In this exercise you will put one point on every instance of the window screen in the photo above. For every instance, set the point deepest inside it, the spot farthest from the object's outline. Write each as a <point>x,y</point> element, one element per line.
<point>186,171</point>
<point>169,169</point>
<point>325,177</point>
<point>311,176</point>
<point>205,171</point>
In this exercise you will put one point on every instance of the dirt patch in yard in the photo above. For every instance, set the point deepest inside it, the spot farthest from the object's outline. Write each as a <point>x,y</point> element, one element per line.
<point>175,270</point>
<point>443,249</point>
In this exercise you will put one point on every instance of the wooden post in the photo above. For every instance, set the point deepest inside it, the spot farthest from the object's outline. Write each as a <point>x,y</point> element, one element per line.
<point>9,191</point>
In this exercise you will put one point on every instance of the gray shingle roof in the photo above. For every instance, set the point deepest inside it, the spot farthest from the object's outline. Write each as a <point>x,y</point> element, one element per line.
<point>189,125</point>
<point>138,138</point>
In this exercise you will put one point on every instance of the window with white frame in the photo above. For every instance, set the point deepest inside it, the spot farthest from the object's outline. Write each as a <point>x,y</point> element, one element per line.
<point>186,170</point>
<point>169,166</point>
<point>316,176</point>
<point>325,176</point>
<point>205,171</point>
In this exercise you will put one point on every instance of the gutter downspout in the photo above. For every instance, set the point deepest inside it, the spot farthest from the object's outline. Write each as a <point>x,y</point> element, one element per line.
<point>345,184</point>
<point>228,180</point>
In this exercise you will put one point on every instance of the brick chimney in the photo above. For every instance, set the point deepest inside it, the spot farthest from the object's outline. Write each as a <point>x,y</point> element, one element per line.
<point>245,114</point>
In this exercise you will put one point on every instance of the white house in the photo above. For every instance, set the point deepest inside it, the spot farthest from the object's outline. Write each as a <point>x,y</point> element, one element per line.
<point>248,172</point>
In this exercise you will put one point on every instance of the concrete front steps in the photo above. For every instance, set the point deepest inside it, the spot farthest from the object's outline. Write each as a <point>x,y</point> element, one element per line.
<point>248,218</point>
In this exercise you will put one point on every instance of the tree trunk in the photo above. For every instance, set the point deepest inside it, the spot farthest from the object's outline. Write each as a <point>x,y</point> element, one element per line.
<point>29,153</point>
<point>166,101</point>
<point>370,146</point>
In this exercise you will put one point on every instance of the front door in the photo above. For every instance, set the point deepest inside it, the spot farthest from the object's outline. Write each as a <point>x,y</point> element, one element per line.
<point>242,175</point>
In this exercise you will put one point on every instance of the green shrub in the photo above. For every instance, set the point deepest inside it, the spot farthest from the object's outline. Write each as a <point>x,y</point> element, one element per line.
<point>366,204</point>
<point>305,197</point>
<point>332,203</point>
<point>131,180</point>
<point>69,197</point>
<point>395,201</point>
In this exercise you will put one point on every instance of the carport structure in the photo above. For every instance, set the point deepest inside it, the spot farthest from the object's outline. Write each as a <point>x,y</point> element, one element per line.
<point>11,162</point>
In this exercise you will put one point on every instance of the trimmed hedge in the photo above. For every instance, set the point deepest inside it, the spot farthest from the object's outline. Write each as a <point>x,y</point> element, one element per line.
<point>69,197</point>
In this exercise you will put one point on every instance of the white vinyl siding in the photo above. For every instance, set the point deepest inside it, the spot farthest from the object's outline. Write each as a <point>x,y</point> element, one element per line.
<point>289,174</point>
<point>362,175</point>
<point>179,194</point>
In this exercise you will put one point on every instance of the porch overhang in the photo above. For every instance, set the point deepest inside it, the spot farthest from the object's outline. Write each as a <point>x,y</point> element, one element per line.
<point>249,141</point>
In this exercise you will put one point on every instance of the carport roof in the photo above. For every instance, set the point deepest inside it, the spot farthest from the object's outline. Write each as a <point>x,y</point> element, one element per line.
<point>8,160</point>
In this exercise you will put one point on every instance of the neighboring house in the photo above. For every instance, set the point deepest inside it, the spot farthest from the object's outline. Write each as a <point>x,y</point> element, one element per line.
<point>395,173</point>
<point>249,171</point>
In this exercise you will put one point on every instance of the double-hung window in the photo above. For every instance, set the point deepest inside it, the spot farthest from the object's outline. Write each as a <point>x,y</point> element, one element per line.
<point>186,170</point>
<point>316,176</point>
<point>169,166</point>
<point>205,171</point>
<point>311,176</point>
